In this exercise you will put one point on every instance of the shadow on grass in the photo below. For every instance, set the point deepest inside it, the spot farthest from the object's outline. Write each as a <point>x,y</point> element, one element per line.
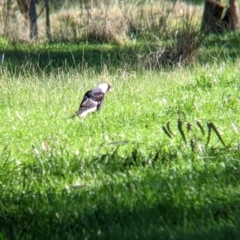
<point>223,46</point>
<point>50,57</point>
<point>55,56</point>
<point>137,202</point>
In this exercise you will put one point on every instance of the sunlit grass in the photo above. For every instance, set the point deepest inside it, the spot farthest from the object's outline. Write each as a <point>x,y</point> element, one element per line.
<point>159,161</point>
<point>39,108</point>
<point>116,173</point>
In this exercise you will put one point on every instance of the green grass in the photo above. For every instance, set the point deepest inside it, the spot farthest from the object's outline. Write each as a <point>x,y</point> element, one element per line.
<point>116,174</point>
<point>54,57</point>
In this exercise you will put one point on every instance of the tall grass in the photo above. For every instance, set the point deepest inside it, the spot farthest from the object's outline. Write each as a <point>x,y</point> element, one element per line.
<point>160,160</point>
<point>116,173</point>
<point>98,22</point>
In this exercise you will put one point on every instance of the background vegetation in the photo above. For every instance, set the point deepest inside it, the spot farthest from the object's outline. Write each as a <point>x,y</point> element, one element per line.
<point>160,161</point>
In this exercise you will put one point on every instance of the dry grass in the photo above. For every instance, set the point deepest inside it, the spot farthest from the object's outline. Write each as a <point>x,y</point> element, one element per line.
<point>121,23</point>
<point>108,21</point>
<point>13,23</point>
<point>181,51</point>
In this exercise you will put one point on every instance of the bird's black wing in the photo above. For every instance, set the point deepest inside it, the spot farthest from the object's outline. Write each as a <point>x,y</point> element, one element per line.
<point>91,102</point>
<point>87,107</point>
<point>87,104</point>
<point>98,96</point>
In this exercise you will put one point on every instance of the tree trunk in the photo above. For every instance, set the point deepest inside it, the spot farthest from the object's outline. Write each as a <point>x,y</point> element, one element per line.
<point>48,29</point>
<point>231,18</point>
<point>218,18</point>
<point>33,20</point>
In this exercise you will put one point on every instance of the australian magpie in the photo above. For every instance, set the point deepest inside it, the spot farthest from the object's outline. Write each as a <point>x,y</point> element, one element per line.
<point>93,100</point>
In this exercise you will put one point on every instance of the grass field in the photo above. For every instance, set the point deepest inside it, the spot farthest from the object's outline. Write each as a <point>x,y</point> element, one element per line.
<point>161,160</point>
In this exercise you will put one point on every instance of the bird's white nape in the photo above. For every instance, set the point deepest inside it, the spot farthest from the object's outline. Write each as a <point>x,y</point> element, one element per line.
<point>104,87</point>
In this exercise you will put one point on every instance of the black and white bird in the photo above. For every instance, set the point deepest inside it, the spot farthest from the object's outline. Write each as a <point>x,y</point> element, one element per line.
<point>93,100</point>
